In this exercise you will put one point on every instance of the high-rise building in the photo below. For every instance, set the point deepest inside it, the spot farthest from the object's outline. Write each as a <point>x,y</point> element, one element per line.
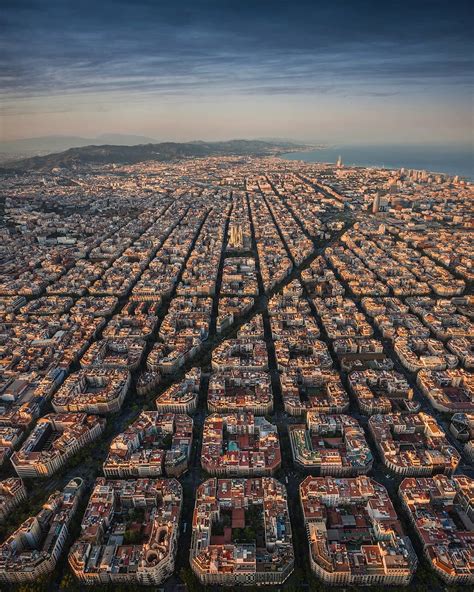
<point>376,204</point>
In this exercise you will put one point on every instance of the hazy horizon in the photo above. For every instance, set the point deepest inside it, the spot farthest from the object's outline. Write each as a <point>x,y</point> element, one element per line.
<point>362,72</point>
<point>310,143</point>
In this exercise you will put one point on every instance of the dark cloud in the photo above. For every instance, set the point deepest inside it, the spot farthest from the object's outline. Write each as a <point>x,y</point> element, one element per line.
<point>258,47</point>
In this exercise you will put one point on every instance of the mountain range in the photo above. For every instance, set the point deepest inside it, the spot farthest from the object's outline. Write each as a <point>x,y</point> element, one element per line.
<point>26,147</point>
<point>132,154</point>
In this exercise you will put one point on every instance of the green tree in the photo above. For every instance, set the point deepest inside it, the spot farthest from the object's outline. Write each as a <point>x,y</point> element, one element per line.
<point>190,580</point>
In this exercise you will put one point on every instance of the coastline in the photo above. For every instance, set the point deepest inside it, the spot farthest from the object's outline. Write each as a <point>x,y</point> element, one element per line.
<point>448,160</point>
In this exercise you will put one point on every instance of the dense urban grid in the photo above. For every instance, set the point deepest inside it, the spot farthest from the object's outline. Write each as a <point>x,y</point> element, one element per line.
<point>236,371</point>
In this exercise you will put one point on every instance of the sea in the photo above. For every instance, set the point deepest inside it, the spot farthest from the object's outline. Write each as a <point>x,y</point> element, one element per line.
<point>447,158</point>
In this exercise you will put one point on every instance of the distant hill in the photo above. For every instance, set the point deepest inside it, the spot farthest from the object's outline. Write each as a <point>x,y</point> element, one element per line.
<point>164,151</point>
<point>27,147</point>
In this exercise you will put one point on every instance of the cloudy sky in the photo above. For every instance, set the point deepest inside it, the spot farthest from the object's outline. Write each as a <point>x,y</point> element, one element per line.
<point>333,71</point>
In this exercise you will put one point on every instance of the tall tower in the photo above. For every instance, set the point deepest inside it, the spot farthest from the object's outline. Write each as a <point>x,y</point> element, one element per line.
<point>339,162</point>
<point>376,204</point>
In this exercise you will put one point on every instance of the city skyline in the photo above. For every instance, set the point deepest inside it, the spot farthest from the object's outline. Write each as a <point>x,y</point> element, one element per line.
<point>360,72</point>
<point>236,295</point>
<point>235,370</point>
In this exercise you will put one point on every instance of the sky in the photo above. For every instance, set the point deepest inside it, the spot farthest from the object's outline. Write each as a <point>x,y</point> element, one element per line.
<point>333,71</point>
